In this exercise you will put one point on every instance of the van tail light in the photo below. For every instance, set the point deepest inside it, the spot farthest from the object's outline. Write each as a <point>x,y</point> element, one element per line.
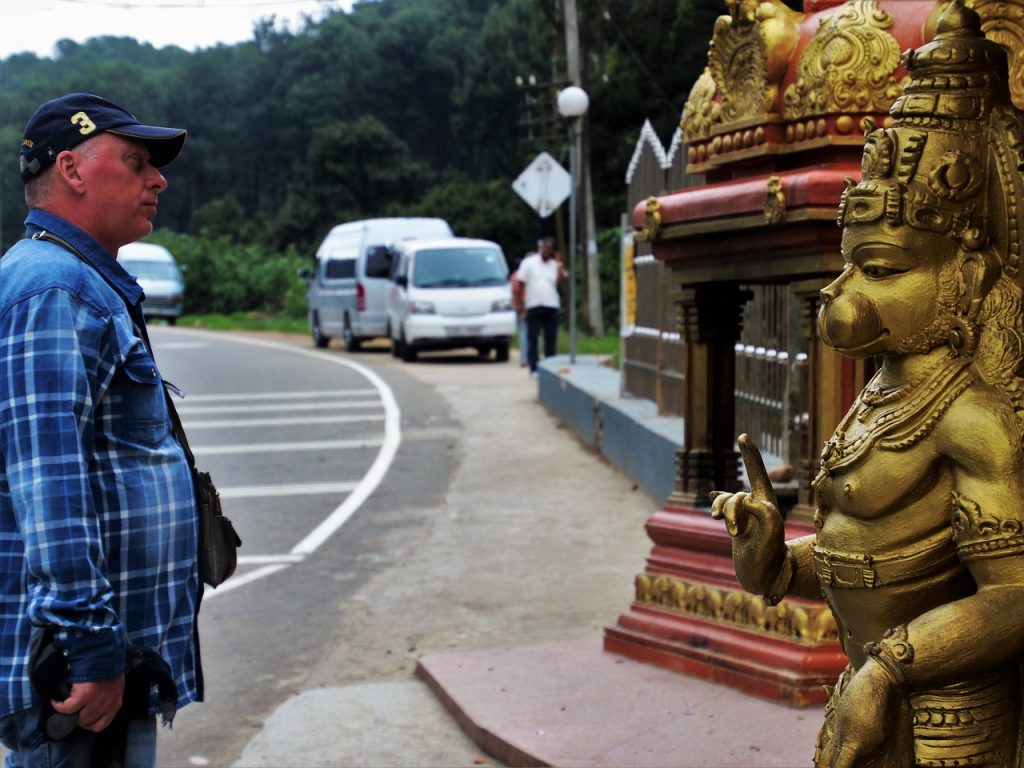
<point>360,298</point>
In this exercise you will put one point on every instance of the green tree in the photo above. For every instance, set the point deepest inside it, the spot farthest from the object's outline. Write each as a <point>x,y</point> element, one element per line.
<point>351,171</point>
<point>488,209</point>
<point>514,41</point>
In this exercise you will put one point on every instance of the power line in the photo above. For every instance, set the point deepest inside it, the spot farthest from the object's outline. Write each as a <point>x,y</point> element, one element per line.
<point>629,49</point>
<point>199,5</point>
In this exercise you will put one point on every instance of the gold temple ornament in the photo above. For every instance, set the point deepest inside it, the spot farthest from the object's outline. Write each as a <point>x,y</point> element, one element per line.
<point>774,201</point>
<point>652,218</point>
<point>918,547</point>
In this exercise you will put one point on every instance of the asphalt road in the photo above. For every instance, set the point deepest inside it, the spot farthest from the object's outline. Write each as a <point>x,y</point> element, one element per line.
<point>300,443</point>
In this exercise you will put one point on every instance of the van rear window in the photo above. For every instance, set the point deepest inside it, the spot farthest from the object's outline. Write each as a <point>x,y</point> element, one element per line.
<point>339,269</point>
<point>378,261</point>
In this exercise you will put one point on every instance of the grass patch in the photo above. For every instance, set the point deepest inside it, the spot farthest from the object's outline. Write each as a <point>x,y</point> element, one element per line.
<point>246,321</point>
<point>600,346</point>
<point>607,346</point>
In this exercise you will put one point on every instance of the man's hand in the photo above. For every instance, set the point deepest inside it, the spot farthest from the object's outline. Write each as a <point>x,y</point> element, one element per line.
<point>96,703</point>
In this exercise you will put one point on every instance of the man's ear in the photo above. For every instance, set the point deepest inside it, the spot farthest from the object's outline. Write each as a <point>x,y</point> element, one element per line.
<point>67,166</point>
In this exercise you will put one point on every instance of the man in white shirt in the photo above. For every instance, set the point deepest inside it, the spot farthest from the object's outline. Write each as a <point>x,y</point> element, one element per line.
<point>540,274</point>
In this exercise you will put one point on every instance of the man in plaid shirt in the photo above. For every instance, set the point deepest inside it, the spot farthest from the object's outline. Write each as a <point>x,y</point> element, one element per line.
<point>97,512</point>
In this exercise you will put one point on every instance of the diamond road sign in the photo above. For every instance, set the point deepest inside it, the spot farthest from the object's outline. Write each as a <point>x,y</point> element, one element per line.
<point>544,185</point>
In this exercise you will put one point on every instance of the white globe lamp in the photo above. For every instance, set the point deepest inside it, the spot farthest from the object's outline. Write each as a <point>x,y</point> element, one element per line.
<point>573,102</point>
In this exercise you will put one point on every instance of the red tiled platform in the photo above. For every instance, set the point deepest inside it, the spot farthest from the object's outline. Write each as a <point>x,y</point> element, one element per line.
<point>573,704</point>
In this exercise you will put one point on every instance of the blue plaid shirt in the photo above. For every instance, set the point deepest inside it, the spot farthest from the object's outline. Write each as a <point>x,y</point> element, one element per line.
<point>97,515</point>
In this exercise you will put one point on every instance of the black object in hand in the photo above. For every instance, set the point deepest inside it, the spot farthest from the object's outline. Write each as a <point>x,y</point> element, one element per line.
<point>48,671</point>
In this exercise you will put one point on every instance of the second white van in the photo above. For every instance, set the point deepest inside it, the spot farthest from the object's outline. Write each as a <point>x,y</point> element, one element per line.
<point>449,294</point>
<point>348,287</point>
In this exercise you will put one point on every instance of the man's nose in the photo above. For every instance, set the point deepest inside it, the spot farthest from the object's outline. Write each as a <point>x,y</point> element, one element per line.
<point>158,182</point>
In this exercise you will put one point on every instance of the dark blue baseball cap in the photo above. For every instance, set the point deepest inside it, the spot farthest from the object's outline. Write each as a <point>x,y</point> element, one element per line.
<point>66,122</point>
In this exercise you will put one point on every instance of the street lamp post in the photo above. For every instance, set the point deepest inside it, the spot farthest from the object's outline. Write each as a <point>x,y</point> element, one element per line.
<point>572,105</point>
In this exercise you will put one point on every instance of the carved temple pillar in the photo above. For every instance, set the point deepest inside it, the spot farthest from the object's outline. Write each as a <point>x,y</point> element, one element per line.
<point>709,324</point>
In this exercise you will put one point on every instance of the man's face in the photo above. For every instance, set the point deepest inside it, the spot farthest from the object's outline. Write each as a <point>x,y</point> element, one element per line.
<point>893,297</point>
<point>121,189</point>
<point>547,250</point>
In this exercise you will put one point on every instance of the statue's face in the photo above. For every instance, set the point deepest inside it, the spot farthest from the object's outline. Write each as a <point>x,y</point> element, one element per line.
<point>892,296</point>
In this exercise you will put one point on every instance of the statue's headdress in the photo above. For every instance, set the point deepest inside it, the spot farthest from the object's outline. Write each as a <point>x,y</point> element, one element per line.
<point>950,163</point>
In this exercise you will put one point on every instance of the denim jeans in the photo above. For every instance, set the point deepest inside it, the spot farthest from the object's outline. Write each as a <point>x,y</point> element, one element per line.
<point>524,340</point>
<point>29,748</point>
<point>540,319</point>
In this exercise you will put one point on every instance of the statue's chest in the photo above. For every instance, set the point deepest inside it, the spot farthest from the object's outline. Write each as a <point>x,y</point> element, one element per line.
<point>882,454</point>
<point>872,487</point>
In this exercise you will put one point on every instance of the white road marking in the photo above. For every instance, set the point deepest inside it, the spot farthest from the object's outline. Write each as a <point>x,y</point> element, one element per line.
<point>366,486</point>
<point>277,407</point>
<point>287,447</point>
<point>295,489</point>
<point>232,423</point>
<point>305,395</point>
<point>269,559</point>
<point>241,579</point>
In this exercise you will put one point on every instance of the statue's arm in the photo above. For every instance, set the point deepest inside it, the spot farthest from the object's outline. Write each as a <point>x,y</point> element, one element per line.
<point>985,631</point>
<point>805,583</point>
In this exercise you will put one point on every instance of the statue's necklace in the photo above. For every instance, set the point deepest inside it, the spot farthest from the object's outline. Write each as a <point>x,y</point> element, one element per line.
<point>905,420</point>
<point>874,396</point>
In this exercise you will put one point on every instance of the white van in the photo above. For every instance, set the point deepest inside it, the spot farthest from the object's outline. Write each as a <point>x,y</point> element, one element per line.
<point>160,277</point>
<point>449,294</point>
<point>348,289</point>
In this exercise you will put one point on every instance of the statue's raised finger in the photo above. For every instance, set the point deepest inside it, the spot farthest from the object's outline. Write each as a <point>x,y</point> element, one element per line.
<point>757,475</point>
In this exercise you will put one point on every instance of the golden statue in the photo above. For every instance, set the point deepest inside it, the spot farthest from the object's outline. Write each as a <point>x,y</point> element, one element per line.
<point>919,502</point>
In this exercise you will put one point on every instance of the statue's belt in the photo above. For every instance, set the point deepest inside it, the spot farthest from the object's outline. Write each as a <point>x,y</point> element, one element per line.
<point>843,570</point>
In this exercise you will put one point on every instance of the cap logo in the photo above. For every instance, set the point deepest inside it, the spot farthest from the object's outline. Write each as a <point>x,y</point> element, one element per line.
<point>86,126</point>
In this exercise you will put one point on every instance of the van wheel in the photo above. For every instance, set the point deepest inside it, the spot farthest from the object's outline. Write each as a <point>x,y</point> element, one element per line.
<point>405,350</point>
<point>172,321</point>
<point>483,350</point>
<point>501,352</point>
<point>351,342</point>
<point>319,340</point>
<point>393,341</point>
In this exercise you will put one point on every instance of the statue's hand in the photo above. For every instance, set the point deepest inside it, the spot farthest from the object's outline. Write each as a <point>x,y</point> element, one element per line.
<point>863,719</point>
<point>754,522</point>
<point>737,508</point>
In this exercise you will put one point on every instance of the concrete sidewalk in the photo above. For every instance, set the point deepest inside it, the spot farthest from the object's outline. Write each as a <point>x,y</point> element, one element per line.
<point>572,704</point>
<point>532,555</point>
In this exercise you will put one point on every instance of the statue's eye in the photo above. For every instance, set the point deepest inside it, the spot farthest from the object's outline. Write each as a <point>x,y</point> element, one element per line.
<point>875,271</point>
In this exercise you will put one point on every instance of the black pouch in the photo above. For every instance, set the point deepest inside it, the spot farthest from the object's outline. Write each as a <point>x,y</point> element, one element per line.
<point>48,669</point>
<point>218,541</point>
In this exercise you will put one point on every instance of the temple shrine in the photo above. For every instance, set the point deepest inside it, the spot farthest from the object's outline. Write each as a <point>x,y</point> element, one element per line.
<point>775,126</point>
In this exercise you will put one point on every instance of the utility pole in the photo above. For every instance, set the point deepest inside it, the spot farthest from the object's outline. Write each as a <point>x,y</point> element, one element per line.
<point>595,316</point>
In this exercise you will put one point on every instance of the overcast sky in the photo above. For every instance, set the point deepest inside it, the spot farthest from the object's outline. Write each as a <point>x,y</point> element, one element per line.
<point>35,25</point>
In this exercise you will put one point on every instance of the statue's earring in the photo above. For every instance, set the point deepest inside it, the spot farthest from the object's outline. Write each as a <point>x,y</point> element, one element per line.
<point>962,338</point>
<point>978,271</point>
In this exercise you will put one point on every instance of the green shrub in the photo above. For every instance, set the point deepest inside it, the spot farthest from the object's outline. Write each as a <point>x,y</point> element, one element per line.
<point>225,277</point>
